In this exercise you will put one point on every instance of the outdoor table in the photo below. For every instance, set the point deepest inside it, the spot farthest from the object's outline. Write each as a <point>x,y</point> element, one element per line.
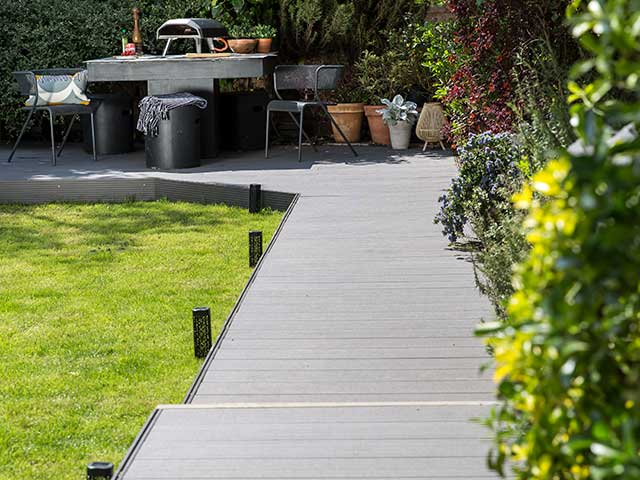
<point>179,73</point>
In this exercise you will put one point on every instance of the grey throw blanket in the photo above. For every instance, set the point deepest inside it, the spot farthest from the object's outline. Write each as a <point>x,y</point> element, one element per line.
<point>156,107</point>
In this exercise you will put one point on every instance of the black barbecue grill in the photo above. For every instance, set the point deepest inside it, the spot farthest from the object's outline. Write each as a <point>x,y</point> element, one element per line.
<point>197,28</point>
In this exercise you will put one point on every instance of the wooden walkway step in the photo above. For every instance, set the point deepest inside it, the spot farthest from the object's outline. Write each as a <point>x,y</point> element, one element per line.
<point>410,440</point>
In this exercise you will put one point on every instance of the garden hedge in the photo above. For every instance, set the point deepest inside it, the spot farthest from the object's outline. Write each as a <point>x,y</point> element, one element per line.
<point>568,356</point>
<point>59,33</point>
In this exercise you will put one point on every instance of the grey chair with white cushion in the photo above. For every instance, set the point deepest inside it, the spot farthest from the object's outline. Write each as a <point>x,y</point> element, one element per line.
<point>304,77</point>
<point>28,85</point>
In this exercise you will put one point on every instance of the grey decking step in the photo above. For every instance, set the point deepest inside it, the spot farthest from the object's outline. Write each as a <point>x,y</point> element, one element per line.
<point>357,441</point>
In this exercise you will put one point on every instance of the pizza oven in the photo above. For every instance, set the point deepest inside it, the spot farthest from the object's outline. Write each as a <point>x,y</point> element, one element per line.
<point>199,29</point>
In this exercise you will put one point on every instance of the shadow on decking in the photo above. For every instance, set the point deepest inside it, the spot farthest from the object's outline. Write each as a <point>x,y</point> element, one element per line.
<point>32,161</point>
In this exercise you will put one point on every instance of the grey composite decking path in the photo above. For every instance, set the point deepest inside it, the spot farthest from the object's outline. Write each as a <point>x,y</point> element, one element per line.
<point>352,353</point>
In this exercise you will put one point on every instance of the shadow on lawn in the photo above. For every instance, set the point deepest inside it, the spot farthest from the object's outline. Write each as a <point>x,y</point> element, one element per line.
<point>100,226</point>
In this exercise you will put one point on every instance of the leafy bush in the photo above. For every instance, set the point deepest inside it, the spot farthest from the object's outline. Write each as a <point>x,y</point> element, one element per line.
<point>309,27</point>
<point>245,12</point>
<point>503,245</point>
<point>241,30</point>
<point>434,42</point>
<point>488,36</point>
<point>568,358</point>
<point>492,168</point>
<point>384,75</point>
<point>264,31</point>
<point>341,30</point>
<point>541,108</point>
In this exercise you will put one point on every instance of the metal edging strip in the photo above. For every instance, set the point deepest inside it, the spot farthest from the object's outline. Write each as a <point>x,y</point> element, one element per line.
<point>137,442</point>
<point>225,327</point>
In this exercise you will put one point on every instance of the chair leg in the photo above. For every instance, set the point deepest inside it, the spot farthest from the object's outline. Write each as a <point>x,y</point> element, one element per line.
<point>93,138</point>
<point>266,138</point>
<point>53,138</point>
<point>355,154</point>
<point>293,117</point>
<point>442,145</point>
<point>66,135</point>
<point>424,149</point>
<point>300,136</point>
<point>24,129</point>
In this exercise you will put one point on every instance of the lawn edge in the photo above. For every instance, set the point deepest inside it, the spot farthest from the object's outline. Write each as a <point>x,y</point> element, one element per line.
<point>225,327</point>
<point>153,417</point>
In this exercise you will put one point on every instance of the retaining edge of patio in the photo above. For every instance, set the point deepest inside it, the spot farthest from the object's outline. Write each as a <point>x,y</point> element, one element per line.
<point>118,190</point>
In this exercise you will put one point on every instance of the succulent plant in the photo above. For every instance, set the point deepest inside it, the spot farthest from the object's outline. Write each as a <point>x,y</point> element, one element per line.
<point>398,110</point>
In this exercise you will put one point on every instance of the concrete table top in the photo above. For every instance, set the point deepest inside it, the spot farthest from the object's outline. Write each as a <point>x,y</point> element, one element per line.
<point>178,67</point>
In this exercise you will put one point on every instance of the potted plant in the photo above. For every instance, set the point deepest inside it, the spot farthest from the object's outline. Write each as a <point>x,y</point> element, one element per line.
<point>382,75</point>
<point>241,40</point>
<point>347,109</point>
<point>265,35</point>
<point>400,116</point>
<point>372,73</point>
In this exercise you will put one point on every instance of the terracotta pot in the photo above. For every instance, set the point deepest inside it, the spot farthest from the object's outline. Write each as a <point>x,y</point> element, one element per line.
<point>400,135</point>
<point>243,45</point>
<point>379,130</point>
<point>349,117</point>
<point>264,45</point>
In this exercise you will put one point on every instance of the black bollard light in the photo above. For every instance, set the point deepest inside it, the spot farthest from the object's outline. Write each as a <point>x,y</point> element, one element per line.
<point>201,331</point>
<point>99,471</point>
<point>255,247</point>
<point>255,198</point>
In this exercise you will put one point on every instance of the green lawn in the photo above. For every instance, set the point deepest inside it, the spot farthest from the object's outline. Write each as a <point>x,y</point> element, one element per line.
<point>95,321</point>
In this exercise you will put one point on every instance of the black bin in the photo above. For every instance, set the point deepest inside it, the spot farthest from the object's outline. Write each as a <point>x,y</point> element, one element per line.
<point>177,144</point>
<point>245,116</point>
<point>113,124</point>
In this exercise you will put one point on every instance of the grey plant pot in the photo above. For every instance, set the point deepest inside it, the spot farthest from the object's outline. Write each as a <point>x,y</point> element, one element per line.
<point>400,135</point>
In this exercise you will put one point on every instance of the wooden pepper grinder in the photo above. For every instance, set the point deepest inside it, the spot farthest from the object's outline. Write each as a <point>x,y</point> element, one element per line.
<point>137,36</point>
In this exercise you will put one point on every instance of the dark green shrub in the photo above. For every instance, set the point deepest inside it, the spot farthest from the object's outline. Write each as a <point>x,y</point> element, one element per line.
<point>249,12</point>
<point>568,358</point>
<point>502,246</point>
<point>313,27</point>
<point>339,30</point>
<point>382,75</point>
<point>56,33</point>
<point>541,107</point>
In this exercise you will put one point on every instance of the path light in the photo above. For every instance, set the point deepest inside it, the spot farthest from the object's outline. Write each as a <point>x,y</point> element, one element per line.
<point>255,247</point>
<point>255,198</point>
<point>99,471</point>
<point>201,331</point>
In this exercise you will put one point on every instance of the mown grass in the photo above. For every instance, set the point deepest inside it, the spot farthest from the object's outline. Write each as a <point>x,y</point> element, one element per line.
<point>95,321</point>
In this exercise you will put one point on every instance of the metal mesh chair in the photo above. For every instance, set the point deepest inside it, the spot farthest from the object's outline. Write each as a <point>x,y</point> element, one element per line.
<point>27,85</point>
<point>303,77</point>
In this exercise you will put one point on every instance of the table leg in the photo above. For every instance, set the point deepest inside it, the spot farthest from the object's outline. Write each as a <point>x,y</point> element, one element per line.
<point>209,123</point>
